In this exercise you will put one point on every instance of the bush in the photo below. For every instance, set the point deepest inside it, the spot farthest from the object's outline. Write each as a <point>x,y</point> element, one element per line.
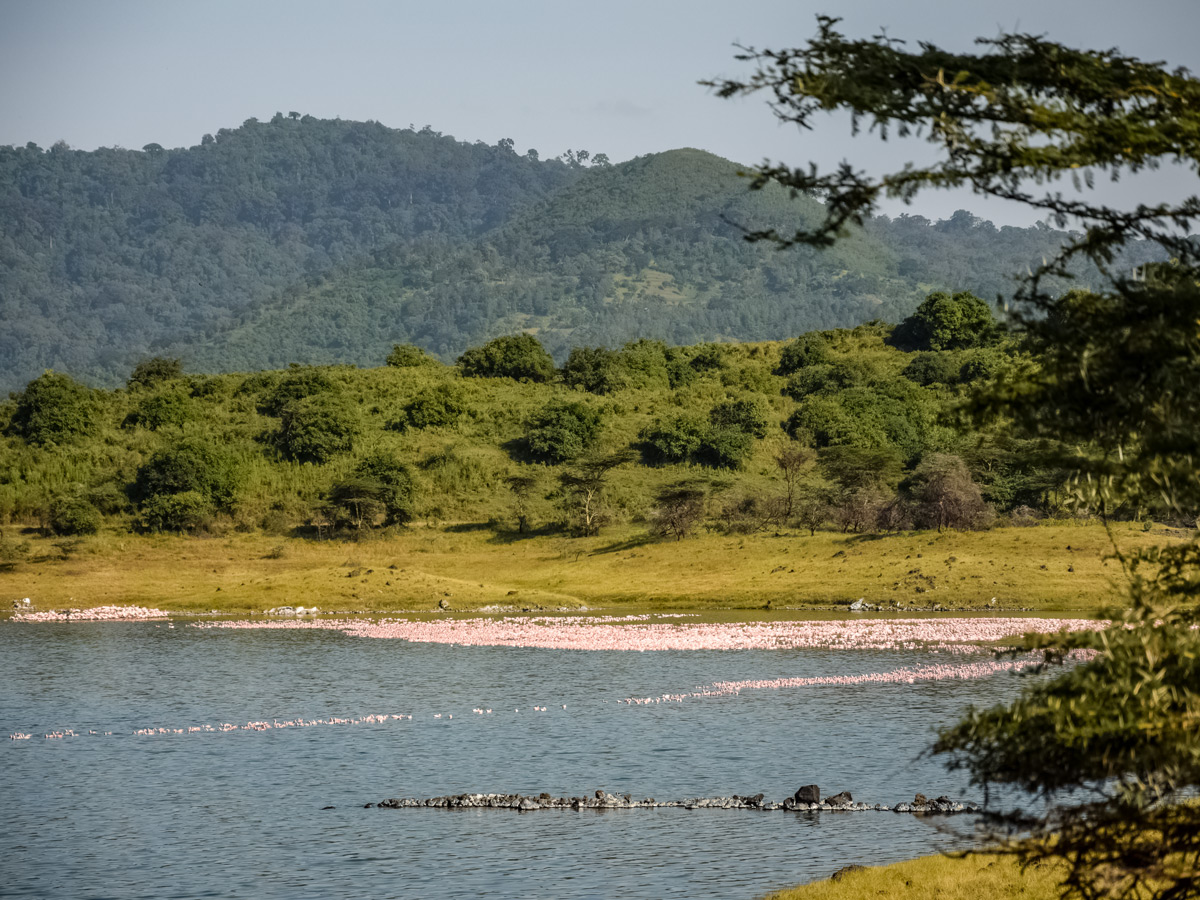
<point>946,495</point>
<point>807,350</point>
<point>316,429</point>
<point>678,509</point>
<point>745,414</point>
<point>396,487</point>
<point>186,511</point>
<point>673,440</point>
<point>187,468</point>
<point>434,407</point>
<point>933,368</point>
<point>74,515</point>
<point>945,322</point>
<point>296,385</point>
<point>562,431</point>
<point>519,356</point>
<point>723,448</point>
<point>53,409</point>
<point>167,409</point>
<point>407,356</point>
<point>152,372</point>
<point>596,370</point>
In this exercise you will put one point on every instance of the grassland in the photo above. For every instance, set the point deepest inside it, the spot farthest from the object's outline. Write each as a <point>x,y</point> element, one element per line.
<point>1045,568</point>
<point>969,877</point>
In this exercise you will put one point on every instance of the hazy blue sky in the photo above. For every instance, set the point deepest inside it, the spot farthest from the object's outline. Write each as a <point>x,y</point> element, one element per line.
<point>618,77</point>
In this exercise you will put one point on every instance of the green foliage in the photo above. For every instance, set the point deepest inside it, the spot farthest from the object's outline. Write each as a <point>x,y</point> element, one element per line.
<point>187,511</point>
<point>945,322</point>
<point>672,440</point>
<point>1109,748</point>
<point>317,428</point>
<point>154,371</point>
<point>296,385</point>
<point>723,447</point>
<point>409,356</point>
<point>745,414</point>
<point>933,368</point>
<point>187,467</point>
<point>562,431</point>
<point>807,350</point>
<point>53,409</point>
<point>945,494</point>
<point>433,407</point>
<point>71,515</point>
<point>597,370</point>
<point>171,408</point>
<point>394,486</point>
<point>519,356</point>
<point>678,510</point>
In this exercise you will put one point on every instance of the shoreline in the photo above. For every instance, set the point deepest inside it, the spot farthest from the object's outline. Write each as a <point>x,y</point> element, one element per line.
<point>1049,568</point>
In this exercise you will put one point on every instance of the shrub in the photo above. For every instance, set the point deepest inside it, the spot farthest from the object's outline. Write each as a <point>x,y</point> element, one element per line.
<point>185,511</point>
<point>945,322</point>
<point>946,495</point>
<point>807,350</point>
<point>154,371</point>
<point>167,409</point>
<point>396,487</point>
<point>678,509</point>
<point>296,385</point>
<point>519,356</point>
<point>187,468</point>
<point>406,356</point>
<point>316,429</point>
<point>597,370</point>
<point>74,515</point>
<point>723,448</point>
<point>933,368</point>
<point>672,440</point>
<point>746,414</point>
<point>434,407</point>
<point>562,431</point>
<point>53,409</point>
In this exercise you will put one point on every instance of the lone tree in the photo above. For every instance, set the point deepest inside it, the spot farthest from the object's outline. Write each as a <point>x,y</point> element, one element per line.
<point>1113,744</point>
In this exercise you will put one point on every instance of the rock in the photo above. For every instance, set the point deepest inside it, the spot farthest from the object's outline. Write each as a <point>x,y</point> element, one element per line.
<point>842,799</point>
<point>859,604</point>
<point>920,800</point>
<point>810,793</point>
<point>846,870</point>
<point>443,604</point>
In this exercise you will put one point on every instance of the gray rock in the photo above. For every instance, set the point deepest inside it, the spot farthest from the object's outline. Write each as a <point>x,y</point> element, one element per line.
<point>842,799</point>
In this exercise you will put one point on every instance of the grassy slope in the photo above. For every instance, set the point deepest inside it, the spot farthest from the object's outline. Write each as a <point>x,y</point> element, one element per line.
<point>968,878</point>
<point>470,567</point>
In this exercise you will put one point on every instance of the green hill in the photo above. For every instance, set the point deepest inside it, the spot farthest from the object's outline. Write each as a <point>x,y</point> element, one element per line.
<point>322,242</point>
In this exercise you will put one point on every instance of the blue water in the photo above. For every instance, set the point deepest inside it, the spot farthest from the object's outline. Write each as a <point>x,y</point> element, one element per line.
<point>241,814</point>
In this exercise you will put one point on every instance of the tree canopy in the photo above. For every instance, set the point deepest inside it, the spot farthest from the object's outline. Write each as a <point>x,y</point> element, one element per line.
<point>1112,744</point>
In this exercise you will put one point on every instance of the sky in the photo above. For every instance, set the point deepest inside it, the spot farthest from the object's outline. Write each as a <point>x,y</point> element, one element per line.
<point>618,77</point>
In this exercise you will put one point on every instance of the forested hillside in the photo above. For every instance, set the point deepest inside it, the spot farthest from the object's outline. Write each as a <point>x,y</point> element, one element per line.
<point>321,242</point>
<point>108,255</point>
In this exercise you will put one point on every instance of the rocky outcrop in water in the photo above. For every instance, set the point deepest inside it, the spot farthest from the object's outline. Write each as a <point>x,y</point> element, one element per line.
<point>602,800</point>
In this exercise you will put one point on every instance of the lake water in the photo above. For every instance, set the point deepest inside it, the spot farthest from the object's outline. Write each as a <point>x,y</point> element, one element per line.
<point>240,814</point>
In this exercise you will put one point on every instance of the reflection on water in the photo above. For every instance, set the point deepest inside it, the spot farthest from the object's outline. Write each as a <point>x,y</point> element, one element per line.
<point>240,814</point>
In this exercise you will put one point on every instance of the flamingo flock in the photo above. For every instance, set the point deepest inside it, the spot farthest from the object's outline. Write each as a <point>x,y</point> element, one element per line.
<point>955,635</point>
<point>640,633</point>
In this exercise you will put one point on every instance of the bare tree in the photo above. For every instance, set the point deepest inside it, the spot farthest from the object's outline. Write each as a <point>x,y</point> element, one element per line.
<point>678,509</point>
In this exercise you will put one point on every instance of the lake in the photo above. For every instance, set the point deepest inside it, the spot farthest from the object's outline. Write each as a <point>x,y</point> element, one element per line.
<point>241,813</point>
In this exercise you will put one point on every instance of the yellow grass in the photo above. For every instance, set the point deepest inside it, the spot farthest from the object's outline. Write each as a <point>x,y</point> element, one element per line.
<point>1049,568</point>
<point>973,877</point>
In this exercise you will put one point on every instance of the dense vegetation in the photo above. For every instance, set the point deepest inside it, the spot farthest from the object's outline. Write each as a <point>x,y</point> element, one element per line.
<point>323,242</point>
<point>839,429</point>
